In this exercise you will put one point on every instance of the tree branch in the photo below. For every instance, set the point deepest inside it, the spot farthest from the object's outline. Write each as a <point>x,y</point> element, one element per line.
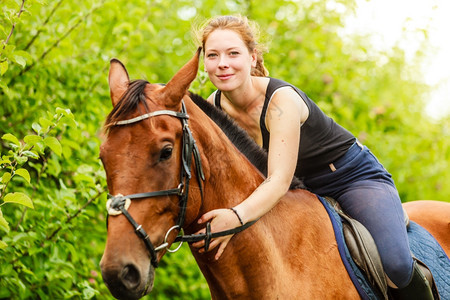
<point>70,217</point>
<point>44,165</point>
<point>55,44</point>
<point>13,26</point>
<point>43,24</point>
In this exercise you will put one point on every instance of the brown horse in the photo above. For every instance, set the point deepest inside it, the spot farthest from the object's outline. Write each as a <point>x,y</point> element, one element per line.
<point>290,253</point>
<point>434,216</point>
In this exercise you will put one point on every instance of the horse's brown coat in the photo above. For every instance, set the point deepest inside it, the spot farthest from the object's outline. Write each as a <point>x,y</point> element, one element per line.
<point>434,216</point>
<point>290,253</point>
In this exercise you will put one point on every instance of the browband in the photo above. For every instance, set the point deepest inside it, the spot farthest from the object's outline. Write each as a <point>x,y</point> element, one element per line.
<point>180,115</point>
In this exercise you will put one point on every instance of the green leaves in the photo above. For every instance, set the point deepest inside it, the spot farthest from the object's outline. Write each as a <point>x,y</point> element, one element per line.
<point>32,147</point>
<point>6,177</point>
<point>19,198</point>
<point>54,99</point>
<point>39,88</point>
<point>4,226</point>
<point>3,67</point>
<point>20,60</point>
<point>11,138</point>
<point>3,245</point>
<point>24,174</point>
<point>53,144</point>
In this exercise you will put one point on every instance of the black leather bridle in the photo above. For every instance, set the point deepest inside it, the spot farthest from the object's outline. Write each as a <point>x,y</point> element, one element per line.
<point>119,204</point>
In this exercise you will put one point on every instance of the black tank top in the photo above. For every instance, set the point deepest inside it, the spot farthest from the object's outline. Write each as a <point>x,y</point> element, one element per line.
<point>322,140</point>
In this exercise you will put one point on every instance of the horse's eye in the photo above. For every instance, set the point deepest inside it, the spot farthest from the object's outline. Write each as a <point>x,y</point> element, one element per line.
<point>166,153</point>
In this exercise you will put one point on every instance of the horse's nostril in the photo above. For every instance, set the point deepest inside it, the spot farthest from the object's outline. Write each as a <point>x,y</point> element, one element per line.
<point>130,277</point>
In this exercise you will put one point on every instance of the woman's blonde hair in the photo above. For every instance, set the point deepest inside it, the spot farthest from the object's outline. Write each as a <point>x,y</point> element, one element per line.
<point>247,30</point>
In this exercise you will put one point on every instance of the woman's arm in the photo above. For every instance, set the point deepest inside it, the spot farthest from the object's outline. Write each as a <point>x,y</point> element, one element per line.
<point>286,112</point>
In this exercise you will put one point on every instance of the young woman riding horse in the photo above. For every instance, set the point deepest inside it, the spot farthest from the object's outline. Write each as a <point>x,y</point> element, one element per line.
<point>174,164</point>
<point>302,141</point>
<point>291,254</point>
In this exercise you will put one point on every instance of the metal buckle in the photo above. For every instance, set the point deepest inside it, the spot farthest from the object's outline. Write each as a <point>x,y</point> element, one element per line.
<point>166,244</point>
<point>180,189</point>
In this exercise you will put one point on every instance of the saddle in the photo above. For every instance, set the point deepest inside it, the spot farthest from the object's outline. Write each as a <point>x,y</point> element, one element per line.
<point>365,254</point>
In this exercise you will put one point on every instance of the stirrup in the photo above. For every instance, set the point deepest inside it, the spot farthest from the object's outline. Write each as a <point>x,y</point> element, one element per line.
<point>421,286</point>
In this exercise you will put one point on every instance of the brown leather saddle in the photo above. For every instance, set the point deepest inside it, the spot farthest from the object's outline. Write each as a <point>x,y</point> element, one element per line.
<point>365,254</point>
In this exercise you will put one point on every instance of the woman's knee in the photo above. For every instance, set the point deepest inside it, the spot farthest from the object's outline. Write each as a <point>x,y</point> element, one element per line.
<point>399,270</point>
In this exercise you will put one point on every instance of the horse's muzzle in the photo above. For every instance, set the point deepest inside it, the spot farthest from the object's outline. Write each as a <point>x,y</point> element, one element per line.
<point>127,281</point>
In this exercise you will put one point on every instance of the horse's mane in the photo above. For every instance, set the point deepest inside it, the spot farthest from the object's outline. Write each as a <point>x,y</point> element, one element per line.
<point>239,137</point>
<point>135,95</point>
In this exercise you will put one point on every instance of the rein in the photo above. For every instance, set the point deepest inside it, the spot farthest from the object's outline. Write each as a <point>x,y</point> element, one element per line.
<point>119,204</point>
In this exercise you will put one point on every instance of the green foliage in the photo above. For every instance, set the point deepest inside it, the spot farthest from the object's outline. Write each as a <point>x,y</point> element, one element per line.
<point>177,277</point>
<point>34,146</point>
<point>54,58</point>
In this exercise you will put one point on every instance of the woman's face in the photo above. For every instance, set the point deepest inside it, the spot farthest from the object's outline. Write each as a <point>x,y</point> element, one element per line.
<point>227,59</point>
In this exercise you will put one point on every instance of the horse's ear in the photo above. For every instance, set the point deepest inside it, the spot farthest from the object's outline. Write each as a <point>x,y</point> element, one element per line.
<point>118,80</point>
<point>177,87</point>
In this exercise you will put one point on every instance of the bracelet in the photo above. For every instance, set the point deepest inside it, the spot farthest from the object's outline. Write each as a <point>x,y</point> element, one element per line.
<point>236,213</point>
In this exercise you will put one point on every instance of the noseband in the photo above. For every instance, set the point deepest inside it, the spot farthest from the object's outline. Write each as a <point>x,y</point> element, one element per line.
<point>119,204</point>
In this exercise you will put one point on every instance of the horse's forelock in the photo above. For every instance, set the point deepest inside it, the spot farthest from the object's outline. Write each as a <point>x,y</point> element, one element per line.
<point>128,103</point>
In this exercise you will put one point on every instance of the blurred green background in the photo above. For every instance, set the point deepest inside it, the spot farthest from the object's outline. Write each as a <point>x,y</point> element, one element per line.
<point>54,59</point>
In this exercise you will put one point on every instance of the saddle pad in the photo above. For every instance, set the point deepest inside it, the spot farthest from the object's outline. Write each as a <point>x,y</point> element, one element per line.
<point>362,285</point>
<point>424,246</point>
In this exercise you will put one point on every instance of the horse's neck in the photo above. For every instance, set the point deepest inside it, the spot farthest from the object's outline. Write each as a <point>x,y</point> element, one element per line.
<point>231,177</point>
<point>256,258</point>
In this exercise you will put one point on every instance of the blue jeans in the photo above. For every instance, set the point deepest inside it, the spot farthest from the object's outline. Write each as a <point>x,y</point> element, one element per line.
<point>366,192</point>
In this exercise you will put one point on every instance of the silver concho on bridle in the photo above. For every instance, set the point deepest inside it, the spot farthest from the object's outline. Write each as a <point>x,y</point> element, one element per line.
<point>114,211</point>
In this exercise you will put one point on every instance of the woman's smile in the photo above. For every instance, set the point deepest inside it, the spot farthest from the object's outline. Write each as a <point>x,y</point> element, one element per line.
<point>224,76</point>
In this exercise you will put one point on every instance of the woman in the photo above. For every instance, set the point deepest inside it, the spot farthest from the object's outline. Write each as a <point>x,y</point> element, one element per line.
<point>290,126</point>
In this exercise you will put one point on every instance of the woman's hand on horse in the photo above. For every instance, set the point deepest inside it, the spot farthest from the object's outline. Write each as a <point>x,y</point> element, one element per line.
<point>220,219</point>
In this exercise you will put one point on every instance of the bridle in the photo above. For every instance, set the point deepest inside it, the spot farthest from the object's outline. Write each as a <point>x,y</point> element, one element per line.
<point>119,204</point>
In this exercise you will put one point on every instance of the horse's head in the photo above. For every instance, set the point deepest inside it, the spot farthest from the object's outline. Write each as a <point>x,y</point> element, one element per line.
<point>147,158</point>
